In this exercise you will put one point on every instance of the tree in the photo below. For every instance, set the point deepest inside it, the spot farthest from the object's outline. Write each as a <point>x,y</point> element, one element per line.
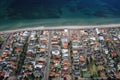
<point>87,61</point>
<point>91,59</point>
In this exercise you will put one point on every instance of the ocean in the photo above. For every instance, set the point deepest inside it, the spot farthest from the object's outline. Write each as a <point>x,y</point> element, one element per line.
<point>15,14</point>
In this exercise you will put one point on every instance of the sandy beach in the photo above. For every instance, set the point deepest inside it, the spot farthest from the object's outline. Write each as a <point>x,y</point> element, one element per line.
<point>62,27</point>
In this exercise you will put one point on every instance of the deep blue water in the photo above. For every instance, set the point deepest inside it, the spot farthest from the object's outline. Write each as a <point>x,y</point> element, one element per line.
<point>41,9</point>
<point>57,9</point>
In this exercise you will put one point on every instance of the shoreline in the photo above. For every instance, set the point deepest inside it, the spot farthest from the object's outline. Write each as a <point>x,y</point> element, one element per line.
<point>27,23</point>
<point>61,27</point>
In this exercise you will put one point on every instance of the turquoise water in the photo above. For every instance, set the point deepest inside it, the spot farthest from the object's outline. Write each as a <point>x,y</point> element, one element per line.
<point>17,24</point>
<point>16,14</point>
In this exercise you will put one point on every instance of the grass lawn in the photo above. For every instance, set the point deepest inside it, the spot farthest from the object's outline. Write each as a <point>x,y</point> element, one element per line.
<point>93,69</point>
<point>1,39</point>
<point>95,73</point>
<point>85,74</point>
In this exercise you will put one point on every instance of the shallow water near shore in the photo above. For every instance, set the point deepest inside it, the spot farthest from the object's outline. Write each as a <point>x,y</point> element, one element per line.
<point>18,24</point>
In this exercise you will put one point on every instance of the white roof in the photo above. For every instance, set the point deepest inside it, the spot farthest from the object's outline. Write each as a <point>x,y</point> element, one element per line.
<point>64,50</point>
<point>55,37</point>
<point>119,36</point>
<point>64,40</point>
<point>65,54</point>
<point>75,45</point>
<point>24,34</point>
<point>40,66</point>
<point>30,50</point>
<point>106,50</point>
<point>101,37</point>
<point>33,62</point>
<point>97,31</point>
<point>65,30</point>
<point>41,59</point>
<point>56,52</point>
<point>42,46</point>
<point>93,38</point>
<point>43,38</point>
<point>32,35</point>
<point>115,39</point>
<point>33,38</point>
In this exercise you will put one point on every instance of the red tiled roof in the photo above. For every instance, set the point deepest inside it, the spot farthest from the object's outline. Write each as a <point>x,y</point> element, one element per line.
<point>28,55</point>
<point>18,49</point>
<point>52,74</point>
<point>65,45</point>
<point>65,66</point>
<point>44,41</point>
<point>107,39</point>
<point>57,74</point>
<point>26,73</point>
<point>40,62</point>
<point>114,54</point>
<point>82,58</point>
<point>13,66</point>
<point>4,54</point>
<point>1,58</point>
<point>56,61</point>
<point>42,49</point>
<point>119,47</point>
<point>56,56</point>
<point>116,41</point>
<point>54,40</point>
<point>66,75</point>
<point>65,62</point>
<point>2,74</point>
<point>12,62</point>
